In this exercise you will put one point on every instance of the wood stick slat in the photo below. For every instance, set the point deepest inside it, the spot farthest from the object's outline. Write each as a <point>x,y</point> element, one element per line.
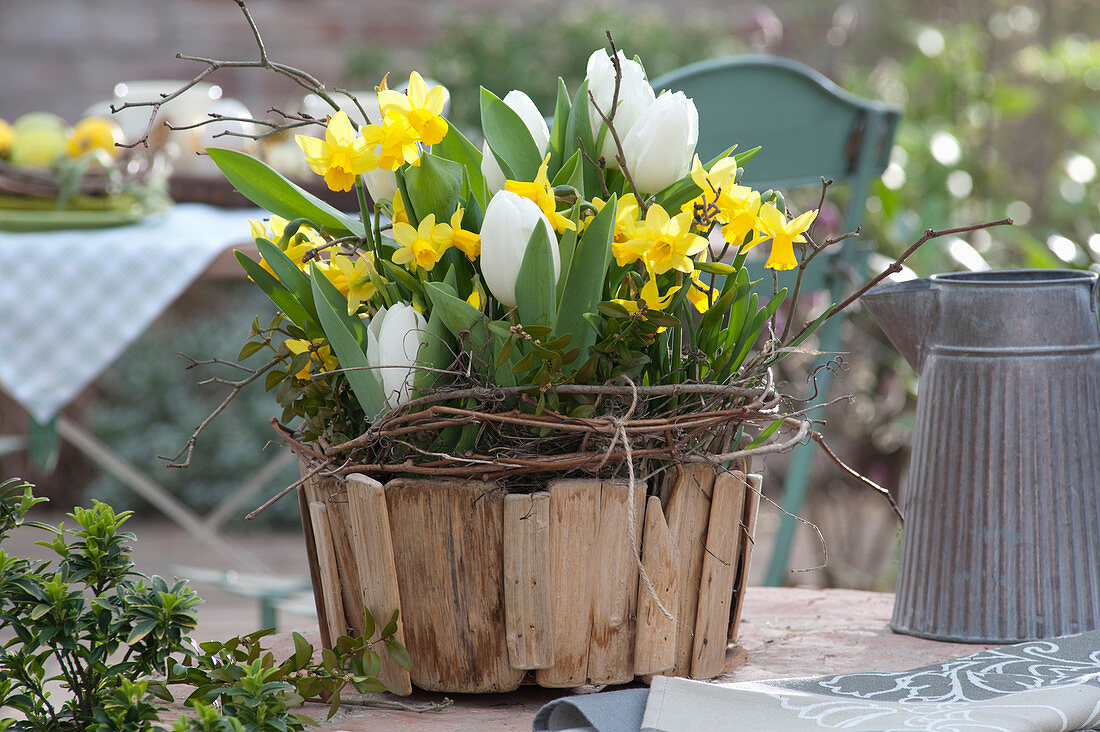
<point>688,513</point>
<point>655,641</point>
<point>528,622</point>
<point>723,544</point>
<point>376,571</point>
<point>305,494</point>
<point>574,526</point>
<point>751,511</point>
<point>448,549</point>
<point>614,567</point>
<point>332,596</point>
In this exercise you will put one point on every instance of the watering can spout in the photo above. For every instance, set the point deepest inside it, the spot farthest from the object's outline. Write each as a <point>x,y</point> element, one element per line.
<point>906,312</point>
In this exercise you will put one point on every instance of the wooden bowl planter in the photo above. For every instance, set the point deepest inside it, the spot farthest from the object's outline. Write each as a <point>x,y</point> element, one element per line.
<point>494,588</point>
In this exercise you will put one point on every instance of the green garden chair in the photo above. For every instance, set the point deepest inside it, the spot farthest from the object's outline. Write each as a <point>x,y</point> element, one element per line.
<point>808,128</point>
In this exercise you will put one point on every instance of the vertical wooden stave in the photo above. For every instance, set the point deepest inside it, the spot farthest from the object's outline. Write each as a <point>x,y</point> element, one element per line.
<point>376,571</point>
<point>719,573</point>
<point>655,634</point>
<point>688,513</point>
<point>528,620</point>
<point>332,621</point>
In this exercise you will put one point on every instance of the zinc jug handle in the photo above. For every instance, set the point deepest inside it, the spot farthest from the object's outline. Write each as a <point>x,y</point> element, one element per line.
<point>1093,301</point>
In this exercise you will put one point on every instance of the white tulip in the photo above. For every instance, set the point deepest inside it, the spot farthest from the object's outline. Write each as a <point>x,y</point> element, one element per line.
<point>381,184</point>
<point>506,228</point>
<point>522,105</point>
<point>661,144</point>
<point>393,343</point>
<point>635,96</point>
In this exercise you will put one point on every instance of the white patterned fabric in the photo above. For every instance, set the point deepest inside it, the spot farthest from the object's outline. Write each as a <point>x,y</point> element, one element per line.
<point>1038,686</point>
<point>72,301</point>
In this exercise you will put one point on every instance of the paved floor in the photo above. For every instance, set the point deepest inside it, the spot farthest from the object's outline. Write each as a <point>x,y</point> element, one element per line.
<point>786,632</point>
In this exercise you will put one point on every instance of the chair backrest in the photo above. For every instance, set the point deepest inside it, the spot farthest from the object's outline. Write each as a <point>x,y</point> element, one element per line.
<point>807,126</point>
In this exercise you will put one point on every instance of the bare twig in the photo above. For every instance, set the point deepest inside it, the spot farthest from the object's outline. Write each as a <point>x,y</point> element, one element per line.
<point>858,477</point>
<point>189,448</point>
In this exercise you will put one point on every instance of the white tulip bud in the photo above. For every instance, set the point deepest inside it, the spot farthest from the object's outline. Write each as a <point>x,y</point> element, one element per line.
<point>506,228</point>
<point>522,105</point>
<point>393,342</point>
<point>635,96</point>
<point>661,145</point>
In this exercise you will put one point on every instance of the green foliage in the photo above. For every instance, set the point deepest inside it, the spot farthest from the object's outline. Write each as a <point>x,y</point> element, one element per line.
<point>116,641</point>
<point>69,621</point>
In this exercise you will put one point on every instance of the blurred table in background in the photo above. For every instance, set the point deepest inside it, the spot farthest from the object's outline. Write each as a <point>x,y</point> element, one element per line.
<point>72,301</point>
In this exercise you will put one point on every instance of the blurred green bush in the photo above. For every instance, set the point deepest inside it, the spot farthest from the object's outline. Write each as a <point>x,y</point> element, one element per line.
<point>148,405</point>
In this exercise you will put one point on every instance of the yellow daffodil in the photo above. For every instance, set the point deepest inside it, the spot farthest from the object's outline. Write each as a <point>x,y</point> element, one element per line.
<point>784,235</point>
<point>7,136</point>
<point>353,278</point>
<point>476,299</point>
<point>467,242</point>
<point>699,294</point>
<point>420,105</point>
<point>399,215</point>
<point>737,206</point>
<point>319,352</point>
<point>341,157</point>
<point>627,228</point>
<point>395,140</point>
<point>651,297</point>
<point>276,227</point>
<point>542,193</point>
<point>666,242</point>
<point>421,247</point>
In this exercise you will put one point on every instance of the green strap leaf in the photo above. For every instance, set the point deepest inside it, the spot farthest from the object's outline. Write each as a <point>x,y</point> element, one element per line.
<point>288,274</point>
<point>454,146</point>
<point>468,324</point>
<point>557,130</point>
<point>584,286</point>
<point>434,187</point>
<point>348,352</point>
<point>266,188</point>
<point>509,138</point>
<point>339,303</point>
<point>580,127</point>
<point>282,297</point>
<point>536,288</point>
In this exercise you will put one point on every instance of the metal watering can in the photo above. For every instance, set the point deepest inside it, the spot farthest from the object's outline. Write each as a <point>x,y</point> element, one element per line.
<point>1002,518</point>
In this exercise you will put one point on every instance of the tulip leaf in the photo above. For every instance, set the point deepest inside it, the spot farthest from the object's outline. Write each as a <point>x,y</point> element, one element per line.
<point>294,279</point>
<point>567,245</point>
<point>557,132</point>
<point>434,187</point>
<point>275,290</point>
<point>509,138</point>
<point>403,189</point>
<point>570,173</point>
<point>349,352</point>
<point>536,286</point>
<point>585,277</point>
<point>339,303</point>
<point>581,127</point>
<point>435,353</point>
<point>470,326</point>
<point>454,146</point>
<point>266,188</point>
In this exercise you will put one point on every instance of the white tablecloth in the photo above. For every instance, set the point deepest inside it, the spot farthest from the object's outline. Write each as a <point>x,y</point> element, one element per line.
<point>72,301</point>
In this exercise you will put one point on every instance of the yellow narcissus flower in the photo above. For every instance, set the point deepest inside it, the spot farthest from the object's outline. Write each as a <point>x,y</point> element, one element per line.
<point>541,192</point>
<point>476,299</point>
<point>94,133</point>
<point>7,135</point>
<point>399,215</point>
<point>783,234</point>
<point>421,247</point>
<point>319,351</point>
<point>466,242</point>
<point>699,294</point>
<point>651,296</point>
<point>395,139</point>
<point>737,205</point>
<point>666,242</point>
<point>420,105</point>
<point>353,278</point>
<point>302,241</point>
<point>341,157</point>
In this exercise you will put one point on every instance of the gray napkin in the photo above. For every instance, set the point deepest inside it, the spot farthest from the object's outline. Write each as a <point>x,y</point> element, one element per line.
<point>1038,686</point>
